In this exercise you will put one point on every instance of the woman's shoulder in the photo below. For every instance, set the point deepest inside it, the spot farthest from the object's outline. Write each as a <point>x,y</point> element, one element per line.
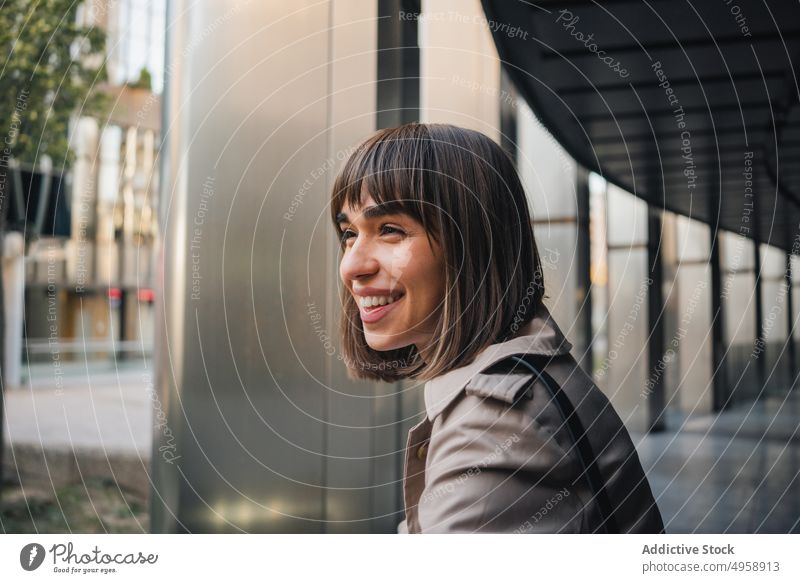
<point>491,465</point>
<point>509,400</point>
<point>506,401</point>
<point>507,376</point>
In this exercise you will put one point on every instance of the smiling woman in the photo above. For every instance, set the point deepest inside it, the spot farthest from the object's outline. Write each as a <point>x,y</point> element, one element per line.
<point>425,235</point>
<point>443,283</point>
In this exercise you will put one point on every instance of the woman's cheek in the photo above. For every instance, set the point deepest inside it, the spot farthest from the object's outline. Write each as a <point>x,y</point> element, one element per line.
<point>398,262</point>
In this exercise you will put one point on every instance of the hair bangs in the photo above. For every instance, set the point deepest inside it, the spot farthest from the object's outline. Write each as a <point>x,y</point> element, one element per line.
<point>391,169</point>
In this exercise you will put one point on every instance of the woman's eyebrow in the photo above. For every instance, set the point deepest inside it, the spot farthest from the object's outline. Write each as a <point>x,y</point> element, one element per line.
<point>391,207</point>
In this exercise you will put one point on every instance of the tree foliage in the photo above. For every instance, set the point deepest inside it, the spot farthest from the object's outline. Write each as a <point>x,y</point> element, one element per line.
<point>50,69</point>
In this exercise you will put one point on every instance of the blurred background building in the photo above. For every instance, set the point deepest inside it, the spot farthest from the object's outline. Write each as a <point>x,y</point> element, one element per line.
<point>79,247</point>
<point>95,266</point>
<point>198,222</point>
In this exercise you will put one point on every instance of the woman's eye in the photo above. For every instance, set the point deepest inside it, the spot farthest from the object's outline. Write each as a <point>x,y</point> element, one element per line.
<point>384,230</point>
<point>389,230</point>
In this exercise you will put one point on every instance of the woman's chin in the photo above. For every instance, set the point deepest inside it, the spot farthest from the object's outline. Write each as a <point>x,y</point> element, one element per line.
<point>383,344</point>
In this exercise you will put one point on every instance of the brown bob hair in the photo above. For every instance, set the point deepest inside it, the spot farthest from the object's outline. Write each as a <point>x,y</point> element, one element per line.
<point>465,191</point>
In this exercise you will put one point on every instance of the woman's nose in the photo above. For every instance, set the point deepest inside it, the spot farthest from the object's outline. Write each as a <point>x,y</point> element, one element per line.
<point>359,261</point>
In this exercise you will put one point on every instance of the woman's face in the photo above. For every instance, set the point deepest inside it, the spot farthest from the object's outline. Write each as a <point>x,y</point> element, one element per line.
<point>395,275</point>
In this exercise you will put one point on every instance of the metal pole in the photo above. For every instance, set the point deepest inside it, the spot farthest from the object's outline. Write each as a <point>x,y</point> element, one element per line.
<point>761,362</point>
<point>718,348</point>
<point>508,116</point>
<point>792,348</point>
<point>583,283</point>
<point>655,309</point>
<point>398,63</point>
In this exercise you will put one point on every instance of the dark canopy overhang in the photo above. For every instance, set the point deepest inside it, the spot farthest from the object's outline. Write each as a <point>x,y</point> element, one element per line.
<point>674,101</point>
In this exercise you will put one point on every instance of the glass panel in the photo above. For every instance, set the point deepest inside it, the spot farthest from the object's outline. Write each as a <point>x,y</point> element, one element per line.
<point>693,239</point>
<point>547,172</point>
<point>623,374</point>
<point>795,269</point>
<point>739,296</point>
<point>627,218</point>
<point>692,340</point>
<point>557,248</point>
<point>796,314</point>
<point>774,294</point>
<point>740,329</point>
<point>736,252</point>
<point>773,262</point>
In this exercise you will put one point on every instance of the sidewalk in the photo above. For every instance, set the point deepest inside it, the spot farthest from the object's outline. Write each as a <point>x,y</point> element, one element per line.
<point>88,425</point>
<point>730,473</point>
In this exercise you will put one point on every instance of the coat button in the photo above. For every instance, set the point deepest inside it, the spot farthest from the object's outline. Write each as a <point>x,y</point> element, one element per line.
<point>422,451</point>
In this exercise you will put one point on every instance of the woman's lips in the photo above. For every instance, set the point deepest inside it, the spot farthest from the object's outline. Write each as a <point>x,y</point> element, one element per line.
<point>373,314</point>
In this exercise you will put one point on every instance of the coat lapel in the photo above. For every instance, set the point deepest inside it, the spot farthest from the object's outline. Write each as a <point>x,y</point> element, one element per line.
<point>540,336</point>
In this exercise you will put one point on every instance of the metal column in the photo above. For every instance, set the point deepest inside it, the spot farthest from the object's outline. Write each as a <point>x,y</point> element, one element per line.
<point>655,310</point>
<point>508,116</point>
<point>257,427</point>
<point>398,63</point>
<point>791,346</point>
<point>718,347</point>
<point>761,362</point>
<point>583,283</point>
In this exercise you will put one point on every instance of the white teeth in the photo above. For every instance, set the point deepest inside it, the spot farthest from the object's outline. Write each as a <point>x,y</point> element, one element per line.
<point>369,301</point>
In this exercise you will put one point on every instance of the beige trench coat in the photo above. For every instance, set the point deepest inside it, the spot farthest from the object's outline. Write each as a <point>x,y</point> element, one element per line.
<point>493,453</point>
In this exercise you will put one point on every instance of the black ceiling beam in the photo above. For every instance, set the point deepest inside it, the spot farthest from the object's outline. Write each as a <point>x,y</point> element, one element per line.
<point>581,52</point>
<point>749,107</point>
<point>572,108</point>
<point>678,82</point>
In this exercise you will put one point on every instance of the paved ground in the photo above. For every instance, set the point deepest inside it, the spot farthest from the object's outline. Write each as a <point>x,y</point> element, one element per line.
<point>82,425</point>
<point>103,410</point>
<point>736,472</point>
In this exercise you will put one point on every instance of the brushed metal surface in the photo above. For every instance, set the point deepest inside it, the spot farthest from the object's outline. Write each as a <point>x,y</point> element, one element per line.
<point>259,429</point>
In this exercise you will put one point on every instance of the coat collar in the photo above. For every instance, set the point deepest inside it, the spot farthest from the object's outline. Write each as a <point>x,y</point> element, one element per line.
<point>540,336</point>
